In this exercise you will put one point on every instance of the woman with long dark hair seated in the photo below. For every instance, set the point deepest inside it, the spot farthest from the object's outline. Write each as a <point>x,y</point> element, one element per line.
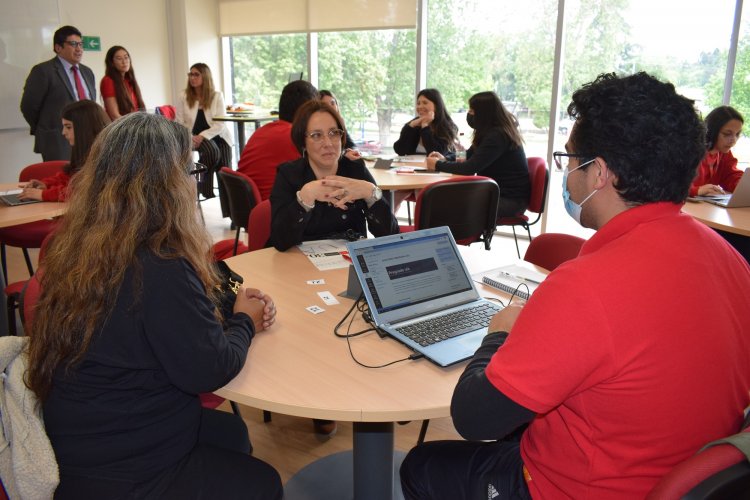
<point>119,88</point>
<point>496,151</point>
<point>127,333</point>
<point>82,121</point>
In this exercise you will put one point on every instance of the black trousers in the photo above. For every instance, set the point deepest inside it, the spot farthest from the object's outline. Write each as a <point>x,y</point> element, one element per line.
<point>218,467</point>
<point>456,470</point>
<point>214,154</point>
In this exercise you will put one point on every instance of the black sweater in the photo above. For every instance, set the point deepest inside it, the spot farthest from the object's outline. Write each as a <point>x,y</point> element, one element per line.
<point>291,224</point>
<point>409,140</point>
<point>498,158</point>
<point>130,408</point>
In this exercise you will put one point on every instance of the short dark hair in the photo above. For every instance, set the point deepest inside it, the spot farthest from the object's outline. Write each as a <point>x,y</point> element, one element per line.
<point>718,118</point>
<point>294,95</point>
<point>63,33</point>
<point>651,137</point>
<point>302,117</point>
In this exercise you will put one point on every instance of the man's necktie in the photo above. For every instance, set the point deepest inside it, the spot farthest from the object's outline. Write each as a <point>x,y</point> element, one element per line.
<point>79,86</point>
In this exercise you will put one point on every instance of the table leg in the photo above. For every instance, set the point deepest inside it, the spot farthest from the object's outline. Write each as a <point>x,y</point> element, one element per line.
<point>368,472</point>
<point>241,135</point>
<point>373,460</point>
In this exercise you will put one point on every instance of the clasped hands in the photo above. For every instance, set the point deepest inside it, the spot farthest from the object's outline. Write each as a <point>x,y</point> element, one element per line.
<point>432,160</point>
<point>256,304</point>
<point>336,190</point>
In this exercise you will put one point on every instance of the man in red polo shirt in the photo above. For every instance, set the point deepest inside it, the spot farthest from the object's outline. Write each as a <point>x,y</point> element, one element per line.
<point>271,145</point>
<point>627,359</point>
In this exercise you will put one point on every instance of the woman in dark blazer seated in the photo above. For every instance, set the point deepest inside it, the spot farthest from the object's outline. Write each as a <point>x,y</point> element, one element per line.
<point>126,332</point>
<point>496,151</point>
<point>324,194</point>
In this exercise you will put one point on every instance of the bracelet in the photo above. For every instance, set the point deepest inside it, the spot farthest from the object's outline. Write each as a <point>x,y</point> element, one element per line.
<point>303,204</point>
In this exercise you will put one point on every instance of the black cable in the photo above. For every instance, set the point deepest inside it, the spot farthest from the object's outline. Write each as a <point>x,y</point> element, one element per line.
<point>361,306</point>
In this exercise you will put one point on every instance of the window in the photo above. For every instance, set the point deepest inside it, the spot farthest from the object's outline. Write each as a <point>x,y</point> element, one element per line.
<point>261,66</point>
<point>372,73</point>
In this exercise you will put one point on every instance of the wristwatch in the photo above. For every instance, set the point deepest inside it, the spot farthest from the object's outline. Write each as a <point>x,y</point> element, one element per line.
<point>376,195</point>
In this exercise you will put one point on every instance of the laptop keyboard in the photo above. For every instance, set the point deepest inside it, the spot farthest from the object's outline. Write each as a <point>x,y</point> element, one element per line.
<point>451,325</point>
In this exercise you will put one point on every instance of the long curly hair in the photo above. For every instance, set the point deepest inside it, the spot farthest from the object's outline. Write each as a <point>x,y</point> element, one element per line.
<point>88,120</point>
<point>124,100</point>
<point>133,193</point>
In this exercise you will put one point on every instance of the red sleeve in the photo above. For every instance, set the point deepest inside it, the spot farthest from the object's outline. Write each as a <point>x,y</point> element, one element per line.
<point>107,87</point>
<point>729,175</point>
<point>57,187</point>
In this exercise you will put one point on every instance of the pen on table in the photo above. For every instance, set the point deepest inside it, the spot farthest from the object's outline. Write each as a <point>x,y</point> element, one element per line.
<point>520,278</point>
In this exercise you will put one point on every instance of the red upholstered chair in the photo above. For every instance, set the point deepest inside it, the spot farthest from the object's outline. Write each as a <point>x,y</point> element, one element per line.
<point>719,472</point>
<point>539,176</point>
<point>466,204</point>
<point>549,250</point>
<point>259,226</point>
<point>167,111</point>
<point>242,196</point>
<point>32,234</point>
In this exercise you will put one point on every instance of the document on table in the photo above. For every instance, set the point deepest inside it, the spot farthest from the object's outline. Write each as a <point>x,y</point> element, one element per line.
<point>326,254</point>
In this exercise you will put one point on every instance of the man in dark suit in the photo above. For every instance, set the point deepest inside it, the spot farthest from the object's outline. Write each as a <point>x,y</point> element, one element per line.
<point>50,86</point>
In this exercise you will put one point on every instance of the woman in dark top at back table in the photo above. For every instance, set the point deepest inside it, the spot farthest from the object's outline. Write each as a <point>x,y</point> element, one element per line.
<point>431,130</point>
<point>496,151</point>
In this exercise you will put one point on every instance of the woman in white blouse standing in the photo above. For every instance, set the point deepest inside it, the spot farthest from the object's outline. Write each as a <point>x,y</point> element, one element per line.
<point>211,139</point>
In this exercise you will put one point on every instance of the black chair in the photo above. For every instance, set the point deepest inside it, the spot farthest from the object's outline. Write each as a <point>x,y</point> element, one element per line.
<point>242,195</point>
<point>466,204</point>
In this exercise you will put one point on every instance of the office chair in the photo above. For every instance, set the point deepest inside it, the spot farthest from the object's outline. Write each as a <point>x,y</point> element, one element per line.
<point>466,204</point>
<point>32,234</point>
<point>719,471</point>
<point>549,250</point>
<point>259,226</point>
<point>242,197</point>
<point>539,176</point>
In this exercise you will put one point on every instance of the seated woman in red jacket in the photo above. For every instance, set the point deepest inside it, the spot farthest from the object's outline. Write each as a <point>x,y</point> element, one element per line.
<point>718,172</point>
<point>82,122</point>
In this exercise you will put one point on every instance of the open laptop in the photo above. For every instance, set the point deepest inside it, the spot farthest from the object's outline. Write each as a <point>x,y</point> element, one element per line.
<point>740,197</point>
<point>12,199</point>
<point>412,278</point>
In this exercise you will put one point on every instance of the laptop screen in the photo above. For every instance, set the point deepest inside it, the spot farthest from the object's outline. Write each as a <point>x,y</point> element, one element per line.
<point>405,272</point>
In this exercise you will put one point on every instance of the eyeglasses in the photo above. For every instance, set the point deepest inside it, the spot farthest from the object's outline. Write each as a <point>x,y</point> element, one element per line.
<point>562,160</point>
<point>333,134</point>
<point>74,44</point>
<point>194,75</point>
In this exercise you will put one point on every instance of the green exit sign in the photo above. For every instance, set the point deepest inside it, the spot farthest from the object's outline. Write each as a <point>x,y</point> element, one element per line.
<point>92,43</point>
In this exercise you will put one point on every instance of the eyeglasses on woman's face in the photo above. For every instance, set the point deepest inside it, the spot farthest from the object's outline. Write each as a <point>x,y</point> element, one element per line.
<point>317,135</point>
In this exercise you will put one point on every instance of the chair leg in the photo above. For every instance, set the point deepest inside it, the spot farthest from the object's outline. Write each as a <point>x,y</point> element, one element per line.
<point>266,416</point>
<point>29,266</point>
<point>408,212</point>
<point>516,240</point>
<point>11,305</point>
<point>422,432</point>
<point>4,264</point>
<point>235,408</point>
<point>236,240</point>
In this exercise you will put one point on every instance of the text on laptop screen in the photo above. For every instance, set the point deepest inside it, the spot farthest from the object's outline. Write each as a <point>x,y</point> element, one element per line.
<point>404,273</point>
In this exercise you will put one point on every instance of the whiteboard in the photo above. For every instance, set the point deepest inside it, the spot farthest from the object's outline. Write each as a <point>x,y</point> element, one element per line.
<point>26,30</point>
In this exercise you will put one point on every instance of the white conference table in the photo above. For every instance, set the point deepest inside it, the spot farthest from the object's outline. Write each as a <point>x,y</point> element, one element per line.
<point>300,368</point>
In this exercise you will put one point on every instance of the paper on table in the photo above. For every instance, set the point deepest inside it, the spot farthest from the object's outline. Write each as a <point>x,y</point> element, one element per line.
<point>326,254</point>
<point>512,279</point>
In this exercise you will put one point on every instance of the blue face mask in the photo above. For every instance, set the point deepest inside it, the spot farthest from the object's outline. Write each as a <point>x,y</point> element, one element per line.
<point>573,208</point>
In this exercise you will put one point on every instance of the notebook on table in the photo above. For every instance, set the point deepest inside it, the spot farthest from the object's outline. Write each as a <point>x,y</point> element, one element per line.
<point>11,198</point>
<point>420,292</point>
<point>512,279</point>
<point>740,197</point>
